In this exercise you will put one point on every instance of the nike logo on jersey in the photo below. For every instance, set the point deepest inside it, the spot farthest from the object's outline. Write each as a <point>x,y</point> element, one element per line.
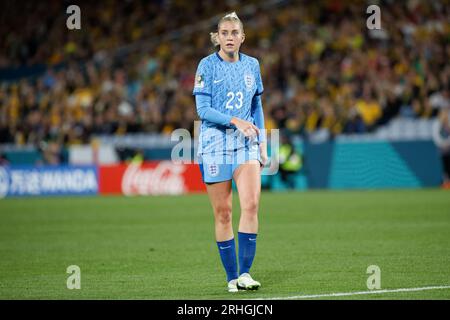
<point>217,81</point>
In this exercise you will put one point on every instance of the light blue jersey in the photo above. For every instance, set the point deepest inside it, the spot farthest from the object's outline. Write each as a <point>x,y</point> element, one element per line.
<point>225,90</point>
<point>231,87</point>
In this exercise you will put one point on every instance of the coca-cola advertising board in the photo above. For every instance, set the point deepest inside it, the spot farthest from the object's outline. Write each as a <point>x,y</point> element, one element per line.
<point>150,178</point>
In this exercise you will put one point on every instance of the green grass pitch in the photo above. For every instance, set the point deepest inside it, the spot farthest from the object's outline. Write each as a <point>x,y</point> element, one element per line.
<point>314,242</point>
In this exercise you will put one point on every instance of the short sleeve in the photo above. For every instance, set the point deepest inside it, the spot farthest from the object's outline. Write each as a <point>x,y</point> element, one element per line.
<point>202,83</point>
<point>259,84</point>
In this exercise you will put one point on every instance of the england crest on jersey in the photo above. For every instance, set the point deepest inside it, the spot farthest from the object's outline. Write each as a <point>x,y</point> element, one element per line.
<point>249,81</point>
<point>213,170</point>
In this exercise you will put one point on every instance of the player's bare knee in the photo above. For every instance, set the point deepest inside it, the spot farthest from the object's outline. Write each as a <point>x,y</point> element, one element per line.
<point>250,208</point>
<point>224,219</point>
<point>223,214</point>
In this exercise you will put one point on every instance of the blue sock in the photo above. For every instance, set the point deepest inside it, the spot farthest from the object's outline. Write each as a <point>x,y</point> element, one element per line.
<point>247,250</point>
<point>227,251</point>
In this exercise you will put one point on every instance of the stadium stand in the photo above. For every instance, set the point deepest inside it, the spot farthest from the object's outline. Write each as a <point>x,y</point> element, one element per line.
<point>130,69</point>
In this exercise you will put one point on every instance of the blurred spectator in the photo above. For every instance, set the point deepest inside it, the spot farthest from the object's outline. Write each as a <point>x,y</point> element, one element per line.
<point>131,66</point>
<point>3,160</point>
<point>52,153</point>
<point>290,161</point>
<point>138,157</point>
<point>441,136</point>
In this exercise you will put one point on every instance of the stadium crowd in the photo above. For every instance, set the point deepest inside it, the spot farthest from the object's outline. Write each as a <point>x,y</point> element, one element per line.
<point>322,68</point>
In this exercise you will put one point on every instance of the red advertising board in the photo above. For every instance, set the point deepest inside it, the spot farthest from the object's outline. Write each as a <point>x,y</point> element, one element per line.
<point>150,178</point>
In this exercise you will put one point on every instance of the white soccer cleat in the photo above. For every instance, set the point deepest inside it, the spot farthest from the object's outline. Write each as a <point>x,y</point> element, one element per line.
<point>245,281</point>
<point>232,286</point>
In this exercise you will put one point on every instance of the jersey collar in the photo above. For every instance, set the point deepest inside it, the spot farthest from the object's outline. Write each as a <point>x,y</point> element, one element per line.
<point>220,58</point>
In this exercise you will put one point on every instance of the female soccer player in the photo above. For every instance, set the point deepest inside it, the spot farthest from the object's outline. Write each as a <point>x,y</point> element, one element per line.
<point>232,145</point>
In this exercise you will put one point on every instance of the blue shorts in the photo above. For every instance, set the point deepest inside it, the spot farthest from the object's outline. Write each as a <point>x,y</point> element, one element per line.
<point>220,167</point>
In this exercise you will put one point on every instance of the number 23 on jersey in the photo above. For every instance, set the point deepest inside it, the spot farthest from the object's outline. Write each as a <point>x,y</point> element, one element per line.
<point>234,100</point>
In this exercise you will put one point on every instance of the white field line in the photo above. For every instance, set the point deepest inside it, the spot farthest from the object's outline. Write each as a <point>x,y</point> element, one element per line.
<point>355,293</point>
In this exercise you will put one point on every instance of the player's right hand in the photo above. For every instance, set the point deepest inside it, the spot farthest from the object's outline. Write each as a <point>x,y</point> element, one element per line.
<point>247,128</point>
